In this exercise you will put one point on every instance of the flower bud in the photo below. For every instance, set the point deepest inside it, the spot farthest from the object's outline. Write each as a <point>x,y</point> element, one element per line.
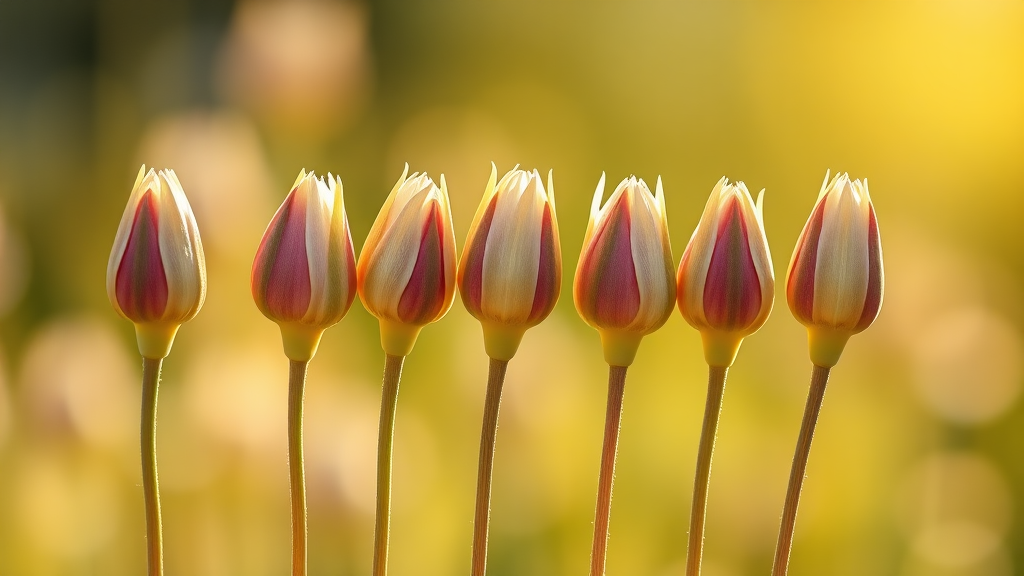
<point>156,275</point>
<point>406,270</point>
<point>726,281</point>
<point>511,269</point>
<point>835,280</point>
<point>304,272</point>
<point>624,286</point>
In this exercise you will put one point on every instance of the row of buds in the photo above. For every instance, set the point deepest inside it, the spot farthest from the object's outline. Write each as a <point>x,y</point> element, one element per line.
<point>305,274</point>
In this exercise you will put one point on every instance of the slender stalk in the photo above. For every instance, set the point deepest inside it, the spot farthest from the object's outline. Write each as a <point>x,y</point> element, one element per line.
<point>385,442</point>
<point>495,380</point>
<point>819,377</point>
<point>613,416</point>
<point>150,483</point>
<point>702,477</point>
<point>296,473</point>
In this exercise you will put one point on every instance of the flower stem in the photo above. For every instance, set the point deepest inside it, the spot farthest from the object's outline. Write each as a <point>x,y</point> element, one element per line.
<point>495,379</point>
<point>150,484</point>
<point>613,416</point>
<point>296,474</point>
<point>819,377</point>
<point>702,477</point>
<point>385,442</point>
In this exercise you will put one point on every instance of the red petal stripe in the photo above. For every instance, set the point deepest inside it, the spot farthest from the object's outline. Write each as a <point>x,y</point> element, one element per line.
<point>800,284</point>
<point>283,266</point>
<point>141,283</point>
<point>549,272</point>
<point>608,290</point>
<point>732,291</point>
<point>424,294</point>
<point>874,295</point>
<point>473,274</point>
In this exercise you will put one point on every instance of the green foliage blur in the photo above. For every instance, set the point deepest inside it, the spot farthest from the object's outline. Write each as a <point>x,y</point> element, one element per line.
<point>916,468</point>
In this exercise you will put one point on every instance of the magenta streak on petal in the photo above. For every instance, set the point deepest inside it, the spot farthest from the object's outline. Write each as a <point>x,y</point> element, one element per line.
<point>288,289</point>
<point>473,274</point>
<point>424,294</point>
<point>549,273</point>
<point>732,291</point>
<point>141,283</point>
<point>609,290</point>
<point>873,298</point>
<point>800,284</point>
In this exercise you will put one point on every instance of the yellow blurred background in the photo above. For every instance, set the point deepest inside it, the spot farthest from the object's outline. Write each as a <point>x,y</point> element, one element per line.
<point>918,465</point>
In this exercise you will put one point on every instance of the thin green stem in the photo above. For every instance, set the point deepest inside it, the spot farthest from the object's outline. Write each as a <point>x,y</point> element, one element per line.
<point>702,476</point>
<point>150,483</point>
<point>296,474</point>
<point>613,417</point>
<point>385,443</point>
<point>495,380</point>
<point>819,377</point>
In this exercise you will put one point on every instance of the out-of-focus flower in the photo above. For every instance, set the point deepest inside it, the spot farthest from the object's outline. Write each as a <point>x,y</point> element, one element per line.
<point>406,270</point>
<point>156,275</point>
<point>624,285</point>
<point>511,269</point>
<point>835,280</point>
<point>304,273</point>
<point>726,281</point>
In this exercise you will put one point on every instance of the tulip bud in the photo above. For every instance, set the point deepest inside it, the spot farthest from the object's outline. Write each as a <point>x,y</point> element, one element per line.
<point>835,280</point>
<point>624,286</point>
<point>304,272</point>
<point>156,275</point>
<point>406,270</point>
<point>511,269</point>
<point>726,281</point>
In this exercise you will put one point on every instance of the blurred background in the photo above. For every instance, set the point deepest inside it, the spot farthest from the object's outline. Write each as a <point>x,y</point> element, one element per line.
<point>917,467</point>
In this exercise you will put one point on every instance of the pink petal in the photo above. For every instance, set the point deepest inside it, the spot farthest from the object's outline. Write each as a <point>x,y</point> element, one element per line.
<point>873,300</point>
<point>732,291</point>
<point>800,284</point>
<point>549,272</point>
<point>423,297</point>
<point>141,284</point>
<point>607,289</point>
<point>280,279</point>
<point>473,273</point>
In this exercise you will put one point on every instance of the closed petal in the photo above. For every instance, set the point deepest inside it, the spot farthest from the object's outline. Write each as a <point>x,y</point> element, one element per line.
<point>182,251</point>
<point>388,269</point>
<point>140,282</point>
<point>732,294</point>
<point>841,277</point>
<point>424,295</point>
<point>606,290</point>
<point>654,280</point>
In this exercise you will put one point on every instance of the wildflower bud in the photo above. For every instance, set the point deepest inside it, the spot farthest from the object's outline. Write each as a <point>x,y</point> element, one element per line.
<point>624,286</point>
<point>406,270</point>
<point>726,281</point>
<point>304,272</point>
<point>511,269</point>
<point>835,280</point>
<point>156,275</point>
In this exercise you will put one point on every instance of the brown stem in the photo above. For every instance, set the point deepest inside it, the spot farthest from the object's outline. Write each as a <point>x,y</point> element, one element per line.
<point>296,474</point>
<point>481,521</point>
<point>819,377</point>
<point>613,416</point>
<point>702,477</point>
<point>385,442</point>
<point>150,482</point>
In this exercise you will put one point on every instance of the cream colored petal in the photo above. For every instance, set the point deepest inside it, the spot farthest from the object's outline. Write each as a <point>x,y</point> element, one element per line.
<point>390,266</point>
<point>841,273</point>
<point>318,230</point>
<point>656,288</point>
<point>377,229</point>
<point>489,191</point>
<point>512,256</point>
<point>757,240</point>
<point>448,249</point>
<point>181,250</point>
<point>697,257</point>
